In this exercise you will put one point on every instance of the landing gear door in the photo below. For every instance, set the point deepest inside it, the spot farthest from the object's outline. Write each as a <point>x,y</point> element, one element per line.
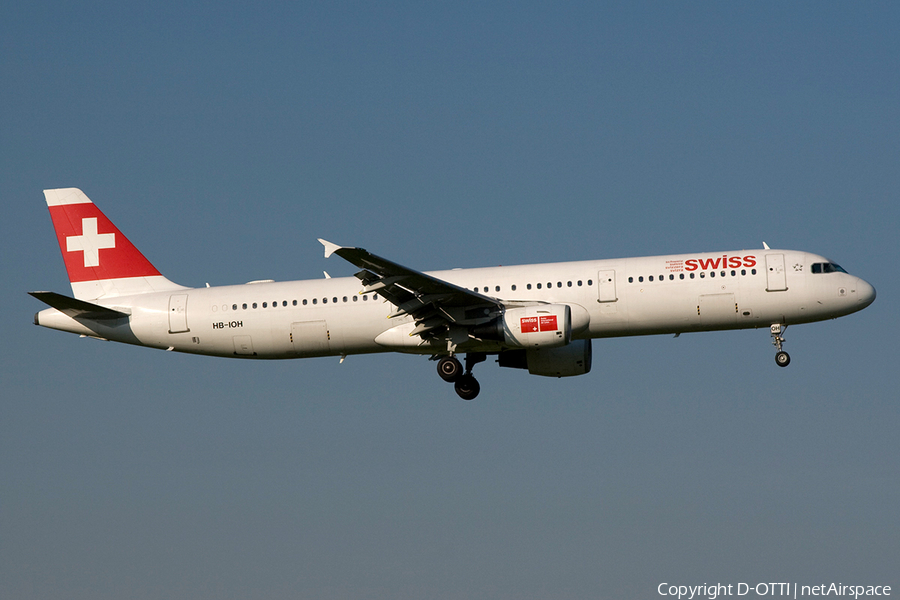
<point>606,286</point>
<point>775,275</point>
<point>310,338</point>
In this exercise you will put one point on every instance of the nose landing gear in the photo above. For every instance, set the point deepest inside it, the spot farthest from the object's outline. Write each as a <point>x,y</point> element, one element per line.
<point>782,358</point>
<point>451,371</point>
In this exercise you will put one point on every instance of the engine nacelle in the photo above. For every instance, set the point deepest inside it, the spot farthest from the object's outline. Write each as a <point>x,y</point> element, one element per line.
<point>539,326</point>
<point>567,361</point>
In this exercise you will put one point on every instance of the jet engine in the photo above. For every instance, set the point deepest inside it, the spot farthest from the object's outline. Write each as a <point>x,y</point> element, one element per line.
<point>539,326</point>
<point>566,361</point>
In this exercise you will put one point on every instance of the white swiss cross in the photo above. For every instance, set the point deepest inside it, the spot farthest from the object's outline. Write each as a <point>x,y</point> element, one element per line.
<point>90,242</point>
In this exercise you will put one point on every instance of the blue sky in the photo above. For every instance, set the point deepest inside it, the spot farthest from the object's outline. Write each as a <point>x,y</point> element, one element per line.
<point>224,138</point>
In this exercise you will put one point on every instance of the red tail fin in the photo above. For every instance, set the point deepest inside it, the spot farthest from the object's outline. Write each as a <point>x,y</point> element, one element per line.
<point>99,259</point>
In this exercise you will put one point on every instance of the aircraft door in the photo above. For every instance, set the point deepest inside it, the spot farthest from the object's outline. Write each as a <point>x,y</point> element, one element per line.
<point>606,286</point>
<point>178,313</point>
<point>775,275</point>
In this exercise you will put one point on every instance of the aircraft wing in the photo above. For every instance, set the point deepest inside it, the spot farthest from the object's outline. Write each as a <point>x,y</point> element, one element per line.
<point>435,304</point>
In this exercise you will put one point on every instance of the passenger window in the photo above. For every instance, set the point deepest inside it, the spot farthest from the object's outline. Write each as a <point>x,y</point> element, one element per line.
<point>711,274</point>
<point>641,279</point>
<point>559,284</point>
<point>722,273</point>
<point>254,305</point>
<point>692,275</point>
<point>671,277</point>
<point>753,271</point>
<point>315,300</point>
<point>234,307</point>
<point>743,271</point>
<point>345,298</point>
<point>650,278</point>
<point>513,287</point>
<point>702,275</point>
<point>579,283</point>
<point>374,296</point>
<point>356,298</point>
<point>681,276</point>
<point>630,280</point>
<point>538,286</point>
<point>365,297</point>
<point>304,302</point>
<point>590,282</point>
<point>497,288</point>
<point>733,273</point>
<point>528,286</point>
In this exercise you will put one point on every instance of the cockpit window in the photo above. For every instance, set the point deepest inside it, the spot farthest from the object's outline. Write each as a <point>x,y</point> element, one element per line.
<point>828,267</point>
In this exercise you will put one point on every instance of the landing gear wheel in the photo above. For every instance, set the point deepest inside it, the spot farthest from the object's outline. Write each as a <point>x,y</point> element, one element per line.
<point>467,387</point>
<point>782,359</point>
<point>450,369</point>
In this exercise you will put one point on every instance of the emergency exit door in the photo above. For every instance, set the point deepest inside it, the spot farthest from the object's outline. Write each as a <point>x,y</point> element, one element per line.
<point>606,286</point>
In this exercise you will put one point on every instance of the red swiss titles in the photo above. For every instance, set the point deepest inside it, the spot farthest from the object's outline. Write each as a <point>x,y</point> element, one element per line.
<point>720,262</point>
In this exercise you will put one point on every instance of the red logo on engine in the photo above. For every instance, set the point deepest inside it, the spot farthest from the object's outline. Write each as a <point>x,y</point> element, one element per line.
<point>529,325</point>
<point>537,324</point>
<point>548,323</point>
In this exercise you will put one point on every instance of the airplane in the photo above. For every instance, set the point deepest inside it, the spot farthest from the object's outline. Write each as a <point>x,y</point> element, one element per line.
<point>538,317</point>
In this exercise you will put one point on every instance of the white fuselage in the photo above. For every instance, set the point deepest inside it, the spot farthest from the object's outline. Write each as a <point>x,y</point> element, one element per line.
<point>620,297</point>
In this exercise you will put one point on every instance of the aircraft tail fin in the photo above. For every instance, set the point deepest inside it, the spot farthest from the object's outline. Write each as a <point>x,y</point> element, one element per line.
<point>100,261</point>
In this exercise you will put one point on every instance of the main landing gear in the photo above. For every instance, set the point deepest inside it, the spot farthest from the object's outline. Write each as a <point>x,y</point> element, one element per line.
<point>782,358</point>
<point>451,371</point>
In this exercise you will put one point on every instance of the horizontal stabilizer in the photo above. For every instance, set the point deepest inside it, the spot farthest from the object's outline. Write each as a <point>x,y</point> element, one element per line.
<point>78,308</point>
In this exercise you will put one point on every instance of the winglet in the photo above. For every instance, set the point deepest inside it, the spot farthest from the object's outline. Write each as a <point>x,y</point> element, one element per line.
<point>329,247</point>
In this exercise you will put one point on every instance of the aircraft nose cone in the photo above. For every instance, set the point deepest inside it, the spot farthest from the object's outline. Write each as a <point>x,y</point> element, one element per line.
<point>865,293</point>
